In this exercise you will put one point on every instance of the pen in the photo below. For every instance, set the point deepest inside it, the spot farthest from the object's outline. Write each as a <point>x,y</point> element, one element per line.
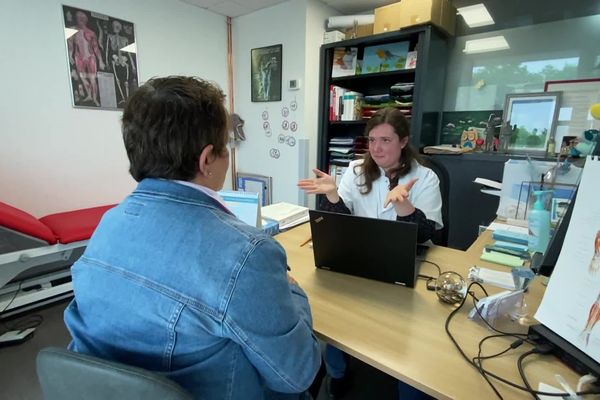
<point>306,242</point>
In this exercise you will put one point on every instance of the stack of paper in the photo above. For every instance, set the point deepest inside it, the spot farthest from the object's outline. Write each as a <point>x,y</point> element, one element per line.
<point>286,214</point>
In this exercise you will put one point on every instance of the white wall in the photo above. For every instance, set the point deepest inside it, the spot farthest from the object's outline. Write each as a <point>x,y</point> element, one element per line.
<point>54,157</point>
<point>316,19</point>
<point>298,25</point>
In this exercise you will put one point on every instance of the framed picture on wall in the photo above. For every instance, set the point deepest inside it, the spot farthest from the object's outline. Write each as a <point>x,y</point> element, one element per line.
<point>534,115</point>
<point>265,73</point>
<point>101,58</point>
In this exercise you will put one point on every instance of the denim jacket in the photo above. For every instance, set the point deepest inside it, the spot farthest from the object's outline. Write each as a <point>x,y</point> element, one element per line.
<point>172,282</point>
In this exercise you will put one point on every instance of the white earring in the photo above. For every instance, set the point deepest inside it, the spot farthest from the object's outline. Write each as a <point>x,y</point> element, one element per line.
<point>209,173</point>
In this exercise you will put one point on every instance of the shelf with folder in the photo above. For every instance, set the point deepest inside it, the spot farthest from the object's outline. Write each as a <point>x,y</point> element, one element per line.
<point>375,82</point>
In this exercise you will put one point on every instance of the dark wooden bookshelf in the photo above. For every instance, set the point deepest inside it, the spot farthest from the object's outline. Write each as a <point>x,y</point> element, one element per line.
<point>428,78</point>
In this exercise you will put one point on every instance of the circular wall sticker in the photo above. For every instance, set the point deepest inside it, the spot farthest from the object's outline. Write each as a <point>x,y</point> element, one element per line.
<point>285,112</point>
<point>293,126</point>
<point>291,141</point>
<point>268,132</point>
<point>281,138</point>
<point>266,125</point>
<point>285,125</point>
<point>265,115</point>
<point>294,105</point>
<point>274,153</point>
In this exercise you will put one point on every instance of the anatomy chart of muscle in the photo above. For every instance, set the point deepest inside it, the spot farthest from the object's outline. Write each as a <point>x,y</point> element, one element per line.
<point>571,303</point>
<point>595,263</point>
<point>593,317</point>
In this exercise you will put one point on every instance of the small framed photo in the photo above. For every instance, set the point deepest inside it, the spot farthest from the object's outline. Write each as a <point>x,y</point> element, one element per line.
<point>265,73</point>
<point>534,115</point>
<point>558,209</point>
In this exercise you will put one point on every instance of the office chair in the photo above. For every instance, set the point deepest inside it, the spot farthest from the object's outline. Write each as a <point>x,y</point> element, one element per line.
<point>66,375</point>
<point>441,236</point>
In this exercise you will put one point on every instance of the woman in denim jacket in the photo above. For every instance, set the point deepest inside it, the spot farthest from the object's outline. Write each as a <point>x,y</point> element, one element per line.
<point>172,282</point>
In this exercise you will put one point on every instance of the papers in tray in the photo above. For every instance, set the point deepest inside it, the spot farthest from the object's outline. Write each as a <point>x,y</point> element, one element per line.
<point>286,214</point>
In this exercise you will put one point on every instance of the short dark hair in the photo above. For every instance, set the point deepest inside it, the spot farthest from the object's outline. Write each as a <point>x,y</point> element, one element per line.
<point>401,126</point>
<point>167,123</point>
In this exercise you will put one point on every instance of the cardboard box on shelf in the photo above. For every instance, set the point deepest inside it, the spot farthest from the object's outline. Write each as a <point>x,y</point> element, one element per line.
<point>333,36</point>
<point>416,12</point>
<point>361,30</point>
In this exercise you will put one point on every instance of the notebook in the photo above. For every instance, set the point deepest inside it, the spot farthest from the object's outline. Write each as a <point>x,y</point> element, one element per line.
<point>367,247</point>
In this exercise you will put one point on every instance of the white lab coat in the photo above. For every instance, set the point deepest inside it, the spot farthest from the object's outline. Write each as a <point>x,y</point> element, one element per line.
<point>424,195</point>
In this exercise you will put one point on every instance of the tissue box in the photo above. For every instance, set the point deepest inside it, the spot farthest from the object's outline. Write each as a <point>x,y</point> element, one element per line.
<point>416,12</point>
<point>333,36</point>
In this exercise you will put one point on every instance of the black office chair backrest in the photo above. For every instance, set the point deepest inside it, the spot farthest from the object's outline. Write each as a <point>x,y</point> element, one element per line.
<point>441,236</point>
<point>66,375</point>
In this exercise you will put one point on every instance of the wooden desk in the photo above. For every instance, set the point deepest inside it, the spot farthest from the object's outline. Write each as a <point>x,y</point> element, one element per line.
<point>401,331</point>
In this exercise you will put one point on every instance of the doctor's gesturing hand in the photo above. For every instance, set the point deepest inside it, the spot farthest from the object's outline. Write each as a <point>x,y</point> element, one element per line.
<point>322,184</point>
<point>398,196</point>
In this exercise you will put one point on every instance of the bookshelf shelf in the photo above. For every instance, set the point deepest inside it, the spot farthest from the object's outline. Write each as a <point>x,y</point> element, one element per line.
<point>357,122</point>
<point>427,93</point>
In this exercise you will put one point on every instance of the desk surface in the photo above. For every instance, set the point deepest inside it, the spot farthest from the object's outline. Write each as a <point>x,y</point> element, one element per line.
<point>401,331</point>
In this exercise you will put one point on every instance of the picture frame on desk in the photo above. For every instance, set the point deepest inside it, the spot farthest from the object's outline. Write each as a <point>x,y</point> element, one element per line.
<point>254,183</point>
<point>574,113</point>
<point>534,115</point>
<point>265,73</point>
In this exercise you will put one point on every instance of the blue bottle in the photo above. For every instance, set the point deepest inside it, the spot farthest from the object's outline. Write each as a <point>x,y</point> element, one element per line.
<point>539,224</point>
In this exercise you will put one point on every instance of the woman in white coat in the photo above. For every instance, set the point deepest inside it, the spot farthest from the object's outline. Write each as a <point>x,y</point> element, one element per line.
<point>389,183</point>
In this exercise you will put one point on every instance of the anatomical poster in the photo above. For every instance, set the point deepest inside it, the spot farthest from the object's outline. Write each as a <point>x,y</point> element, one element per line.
<point>102,58</point>
<point>571,304</point>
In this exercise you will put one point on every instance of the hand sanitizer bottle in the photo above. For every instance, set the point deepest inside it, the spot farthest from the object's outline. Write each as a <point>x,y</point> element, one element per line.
<point>539,224</point>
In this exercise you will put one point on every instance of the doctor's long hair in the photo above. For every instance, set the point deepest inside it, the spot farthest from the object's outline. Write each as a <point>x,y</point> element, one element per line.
<point>369,168</point>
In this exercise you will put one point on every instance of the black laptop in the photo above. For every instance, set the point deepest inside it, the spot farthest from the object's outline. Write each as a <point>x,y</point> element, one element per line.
<point>372,248</point>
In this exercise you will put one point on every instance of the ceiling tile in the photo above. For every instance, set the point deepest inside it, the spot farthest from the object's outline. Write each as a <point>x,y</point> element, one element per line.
<point>258,4</point>
<point>357,6</point>
<point>230,8</point>
<point>201,3</point>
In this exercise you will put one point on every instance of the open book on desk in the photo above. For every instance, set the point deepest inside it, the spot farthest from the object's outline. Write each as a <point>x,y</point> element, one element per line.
<point>286,214</point>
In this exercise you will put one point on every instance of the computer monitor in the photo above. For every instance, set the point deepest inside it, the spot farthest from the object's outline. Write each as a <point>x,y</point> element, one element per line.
<point>544,265</point>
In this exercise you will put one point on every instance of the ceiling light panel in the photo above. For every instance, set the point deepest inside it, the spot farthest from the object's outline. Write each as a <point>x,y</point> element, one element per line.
<point>476,15</point>
<point>493,43</point>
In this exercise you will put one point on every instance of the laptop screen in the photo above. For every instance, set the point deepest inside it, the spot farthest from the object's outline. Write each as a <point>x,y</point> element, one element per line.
<point>371,248</point>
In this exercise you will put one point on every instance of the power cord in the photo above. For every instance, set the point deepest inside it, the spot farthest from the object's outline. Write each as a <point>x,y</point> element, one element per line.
<point>13,298</point>
<point>432,263</point>
<point>486,373</point>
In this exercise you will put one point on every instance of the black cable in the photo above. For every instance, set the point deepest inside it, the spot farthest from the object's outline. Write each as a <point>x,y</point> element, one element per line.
<point>432,263</point>
<point>447,327</point>
<point>425,277</point>
<point>513,346</point>
<point>479,359</point>
<point>522,371</point>
<point>30,321</point>
<point>13,298</point>
<point>462,353</point>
